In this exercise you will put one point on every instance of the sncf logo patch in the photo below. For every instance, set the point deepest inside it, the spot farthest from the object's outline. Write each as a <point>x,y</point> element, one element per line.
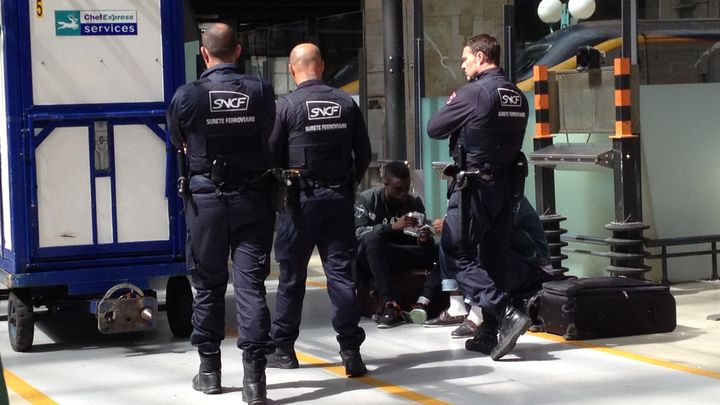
<point>221,101</point>
<point>510,98</point>
<point>323,110</point>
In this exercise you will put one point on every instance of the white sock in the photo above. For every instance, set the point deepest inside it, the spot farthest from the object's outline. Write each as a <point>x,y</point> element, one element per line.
<point>457,306</point>
<point>475,314</point>
<point>423,301</point>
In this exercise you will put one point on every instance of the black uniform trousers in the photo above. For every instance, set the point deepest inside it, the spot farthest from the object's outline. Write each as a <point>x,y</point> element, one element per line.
<point>381,253</point>
<point>238,222</point>
<point>524,278</point>
<point>481,262</point>
<point>324,218</point>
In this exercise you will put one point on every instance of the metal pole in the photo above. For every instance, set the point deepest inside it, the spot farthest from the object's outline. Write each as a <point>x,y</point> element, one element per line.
<point>714,275</point>
<point>394,79</point>
<point>629,30</point>
<point>509,38</point>
<point>419,63</point>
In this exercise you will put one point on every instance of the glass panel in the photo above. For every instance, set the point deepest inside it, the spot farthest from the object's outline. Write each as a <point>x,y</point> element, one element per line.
<point>672,60</point>
<point>266,50</point>
<point>102,154</point>
<point>340,39</point>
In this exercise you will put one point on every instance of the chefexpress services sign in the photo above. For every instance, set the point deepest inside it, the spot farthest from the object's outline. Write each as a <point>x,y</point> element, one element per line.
<point>95,22</point>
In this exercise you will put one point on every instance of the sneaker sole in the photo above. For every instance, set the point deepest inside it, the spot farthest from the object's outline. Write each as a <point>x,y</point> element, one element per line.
<point>415,316</point>
<point>445,325</point>
<point>501,350</point>
<point>383,326</point>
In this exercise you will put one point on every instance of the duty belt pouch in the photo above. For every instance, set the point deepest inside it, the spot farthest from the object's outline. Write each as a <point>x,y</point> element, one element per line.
<point>221,172</point>
<point>291,196</point>
<point>518,174</point>
<point>591,308</point>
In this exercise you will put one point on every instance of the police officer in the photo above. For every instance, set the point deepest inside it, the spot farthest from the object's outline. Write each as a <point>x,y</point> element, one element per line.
<point>320,136</point>
<point>223,121</point>
<point>529,267</point>
<point>485,120</point>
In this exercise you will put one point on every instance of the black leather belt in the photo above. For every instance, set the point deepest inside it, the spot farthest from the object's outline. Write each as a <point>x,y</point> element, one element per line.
<point>324,183</point>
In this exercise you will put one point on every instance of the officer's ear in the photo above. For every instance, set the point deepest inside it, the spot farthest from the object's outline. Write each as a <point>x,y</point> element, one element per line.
<point>238,50</point>
<point>205,55</point>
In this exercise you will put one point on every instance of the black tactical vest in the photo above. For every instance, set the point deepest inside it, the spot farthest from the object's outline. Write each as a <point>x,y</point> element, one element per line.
<point>228,124</point>
<point>320,142</point>
<point>499,140</point>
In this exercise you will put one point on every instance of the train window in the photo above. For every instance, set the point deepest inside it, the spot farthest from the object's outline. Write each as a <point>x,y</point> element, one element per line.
<point>669,52</point>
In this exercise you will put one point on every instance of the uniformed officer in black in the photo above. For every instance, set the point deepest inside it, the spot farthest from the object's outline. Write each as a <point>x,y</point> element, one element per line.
<point>223,121</point>
<point>320,136</point>
<point>485,120</point>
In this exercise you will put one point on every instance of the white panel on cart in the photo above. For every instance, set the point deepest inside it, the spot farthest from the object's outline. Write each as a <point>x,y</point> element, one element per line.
<point>4,167</point>
<point>63,188</point>
<point>103,210</point>
<point>86,51</point>
<point>140,167</point>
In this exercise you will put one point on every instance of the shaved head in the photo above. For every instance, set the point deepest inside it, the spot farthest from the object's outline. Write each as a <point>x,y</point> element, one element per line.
<point>306,63</point>
<point>219,40</point>
<point>219,45</point>
<point>305,54</point>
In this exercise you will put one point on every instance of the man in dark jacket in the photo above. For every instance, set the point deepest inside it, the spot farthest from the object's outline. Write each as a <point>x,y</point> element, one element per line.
<point>392,236</point>
<point>485,120</point>
<point>223,122</point>
<point>321,140</point>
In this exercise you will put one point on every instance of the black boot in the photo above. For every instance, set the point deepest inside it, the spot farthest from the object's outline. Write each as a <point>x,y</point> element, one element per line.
<point>513,323</point>
<point>254,390</point>
<point>283,357</point>
<point>354,366</point>
<point>207,379</point>
<point>484,340</point>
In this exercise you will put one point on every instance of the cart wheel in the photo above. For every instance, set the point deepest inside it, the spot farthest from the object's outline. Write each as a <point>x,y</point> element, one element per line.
<point>178,303</point>
<point>21,325</point>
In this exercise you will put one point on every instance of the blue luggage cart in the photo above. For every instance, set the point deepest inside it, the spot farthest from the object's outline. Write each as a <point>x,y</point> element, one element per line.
<point>89,212</point>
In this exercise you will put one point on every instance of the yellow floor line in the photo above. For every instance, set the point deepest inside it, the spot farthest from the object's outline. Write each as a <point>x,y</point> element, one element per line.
<point>315,284</point>
<point>628,355</point>
<point>371,381</point>
<point>25,390</point>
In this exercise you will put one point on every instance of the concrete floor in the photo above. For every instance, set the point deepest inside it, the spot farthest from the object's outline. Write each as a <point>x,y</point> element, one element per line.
<point>71,363</point>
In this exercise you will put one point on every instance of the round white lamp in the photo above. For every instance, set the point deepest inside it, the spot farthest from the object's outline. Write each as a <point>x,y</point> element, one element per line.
<point>550,11</point>
<point>581,9</point>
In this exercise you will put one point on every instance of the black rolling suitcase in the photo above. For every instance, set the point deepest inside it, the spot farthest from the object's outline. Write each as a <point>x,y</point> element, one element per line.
<point>591,308</point>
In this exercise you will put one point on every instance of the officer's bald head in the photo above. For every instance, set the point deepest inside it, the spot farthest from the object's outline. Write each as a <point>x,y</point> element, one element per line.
<point>306,63</point>
<point>220,43</point>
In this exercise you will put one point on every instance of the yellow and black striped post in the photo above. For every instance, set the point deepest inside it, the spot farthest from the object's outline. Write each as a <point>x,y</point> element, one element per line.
<point>627,256</point>
<point>542,102</point>
<point>623,98</point>
<point>545,176</point>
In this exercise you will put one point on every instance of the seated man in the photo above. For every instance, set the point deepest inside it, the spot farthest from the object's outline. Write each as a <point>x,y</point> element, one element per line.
<point>456,314</point>
<point>391,237</point>
<point>530,268</point>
